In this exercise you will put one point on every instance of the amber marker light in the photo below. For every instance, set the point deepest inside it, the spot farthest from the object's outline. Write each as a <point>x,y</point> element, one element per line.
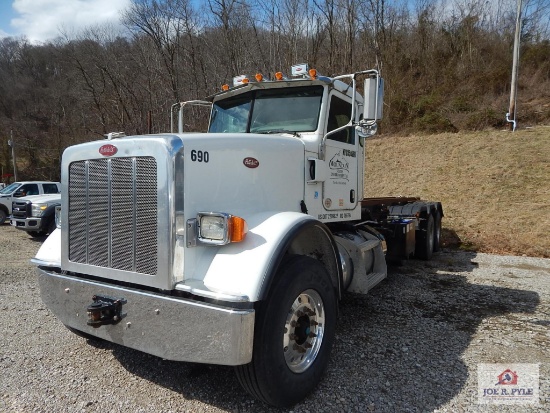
<point>225,87</point>
<point>245,81</point>
<point>238,229</point>
<point>259,77</point>
<point>313,73</point>
<point>279,76</point>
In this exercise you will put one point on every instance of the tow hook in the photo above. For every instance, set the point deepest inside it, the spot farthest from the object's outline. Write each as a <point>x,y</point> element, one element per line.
<point>105,310</point>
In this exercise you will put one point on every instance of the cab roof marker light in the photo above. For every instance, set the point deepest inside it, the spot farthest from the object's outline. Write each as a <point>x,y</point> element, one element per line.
<point>312,73</point>
<point>240,80</point>
<point>259,77</point>
<point>225,87</point>
<point>279,76</point>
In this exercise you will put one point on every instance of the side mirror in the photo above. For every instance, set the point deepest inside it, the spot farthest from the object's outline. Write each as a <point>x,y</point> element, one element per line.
<point>18,194</point>
<point>374,99</point>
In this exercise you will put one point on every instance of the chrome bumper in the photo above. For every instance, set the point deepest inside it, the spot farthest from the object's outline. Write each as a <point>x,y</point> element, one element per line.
<point>168,327</point>
<point>26,224</point>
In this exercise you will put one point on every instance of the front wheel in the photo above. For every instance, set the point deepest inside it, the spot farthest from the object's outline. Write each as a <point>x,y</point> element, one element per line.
<point>3,216</point>
<point>293,335</point>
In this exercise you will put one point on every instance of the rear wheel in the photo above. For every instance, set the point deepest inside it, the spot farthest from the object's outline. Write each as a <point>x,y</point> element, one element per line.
<point>293,334</point>
<point>437,232</point>
<point>425,242</point>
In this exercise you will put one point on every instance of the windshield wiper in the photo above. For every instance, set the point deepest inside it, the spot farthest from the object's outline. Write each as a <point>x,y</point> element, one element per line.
<point>273,131</point>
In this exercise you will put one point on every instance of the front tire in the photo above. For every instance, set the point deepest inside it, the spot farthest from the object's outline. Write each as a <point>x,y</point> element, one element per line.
<point>3,216</point>
<point>293,335</point>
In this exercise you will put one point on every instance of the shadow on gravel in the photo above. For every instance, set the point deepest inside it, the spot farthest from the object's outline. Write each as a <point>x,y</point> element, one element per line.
<point>398,348</point>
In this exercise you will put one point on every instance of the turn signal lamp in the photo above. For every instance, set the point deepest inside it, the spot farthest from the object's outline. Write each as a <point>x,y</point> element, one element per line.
<point>238,229</point>
<point>225,87</point>
<point>279,76</point>
<point>313,73</point>
<point>259,77</point>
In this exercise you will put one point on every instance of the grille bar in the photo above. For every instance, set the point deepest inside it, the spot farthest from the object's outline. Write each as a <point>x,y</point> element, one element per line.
<point>112,213</point>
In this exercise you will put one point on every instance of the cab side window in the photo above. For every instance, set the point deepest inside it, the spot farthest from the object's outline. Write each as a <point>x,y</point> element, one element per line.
<point>29,189</point>
<point>339,115</point>
<point>50,189</point>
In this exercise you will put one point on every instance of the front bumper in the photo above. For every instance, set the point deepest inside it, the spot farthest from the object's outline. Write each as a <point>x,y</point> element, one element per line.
<point>27,224</point>
<point>168,327</point>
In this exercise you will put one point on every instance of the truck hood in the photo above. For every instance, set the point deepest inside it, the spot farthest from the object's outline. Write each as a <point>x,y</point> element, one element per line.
<point>40,199</point>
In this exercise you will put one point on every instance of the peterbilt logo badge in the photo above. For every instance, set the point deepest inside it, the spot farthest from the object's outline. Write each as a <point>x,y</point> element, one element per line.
<point>108,150</point>
<point>251,162</point>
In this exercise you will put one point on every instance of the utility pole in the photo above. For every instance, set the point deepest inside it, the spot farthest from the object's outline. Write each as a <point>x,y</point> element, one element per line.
<point>11,142</point>
<point>514,86</point>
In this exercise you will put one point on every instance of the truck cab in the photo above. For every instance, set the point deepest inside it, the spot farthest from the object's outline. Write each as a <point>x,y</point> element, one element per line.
<point>232,246</point>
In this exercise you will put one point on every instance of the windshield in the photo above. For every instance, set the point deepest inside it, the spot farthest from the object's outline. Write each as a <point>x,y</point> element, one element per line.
<point>289,110</point>
<point>10,188</point>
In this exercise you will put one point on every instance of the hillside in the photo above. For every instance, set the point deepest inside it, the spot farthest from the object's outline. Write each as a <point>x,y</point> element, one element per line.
<point>494,185</point>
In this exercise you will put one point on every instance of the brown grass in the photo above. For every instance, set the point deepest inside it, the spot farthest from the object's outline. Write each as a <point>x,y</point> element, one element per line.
<point>494,185</point>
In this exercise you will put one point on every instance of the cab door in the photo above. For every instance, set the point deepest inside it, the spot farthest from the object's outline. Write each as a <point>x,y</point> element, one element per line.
<point>341,155</point>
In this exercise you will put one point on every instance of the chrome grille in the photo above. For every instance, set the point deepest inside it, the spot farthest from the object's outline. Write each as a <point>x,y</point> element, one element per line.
<point>112,213</point>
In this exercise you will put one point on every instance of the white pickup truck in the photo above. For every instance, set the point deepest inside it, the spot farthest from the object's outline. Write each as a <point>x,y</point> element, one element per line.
<point>35,214</point>
<point>24,189</point>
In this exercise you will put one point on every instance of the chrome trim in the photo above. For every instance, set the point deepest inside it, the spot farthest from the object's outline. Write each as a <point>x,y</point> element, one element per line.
<point>58,216</point>
<point>210,241</point>
<point>148,258</point>
<point>194,236</point>
<point>164,326</point>
<point>42,263</point>
<point>26,226</point>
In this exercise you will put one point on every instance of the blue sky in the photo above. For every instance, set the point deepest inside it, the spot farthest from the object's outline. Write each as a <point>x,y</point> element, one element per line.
<point>42,20</point>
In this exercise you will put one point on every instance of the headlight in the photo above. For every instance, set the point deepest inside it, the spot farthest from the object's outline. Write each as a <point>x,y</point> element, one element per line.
<point>215,228</point>
<point>38,209</point>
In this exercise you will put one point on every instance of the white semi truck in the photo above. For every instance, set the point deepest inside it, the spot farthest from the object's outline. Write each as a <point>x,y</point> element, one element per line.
<point>233,246</point>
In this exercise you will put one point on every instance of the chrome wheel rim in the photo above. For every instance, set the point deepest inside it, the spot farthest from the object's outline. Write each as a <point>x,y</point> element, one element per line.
<point>303,331</point>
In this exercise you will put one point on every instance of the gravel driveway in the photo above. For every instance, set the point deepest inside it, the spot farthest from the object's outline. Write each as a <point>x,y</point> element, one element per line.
<point>412,344</point>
